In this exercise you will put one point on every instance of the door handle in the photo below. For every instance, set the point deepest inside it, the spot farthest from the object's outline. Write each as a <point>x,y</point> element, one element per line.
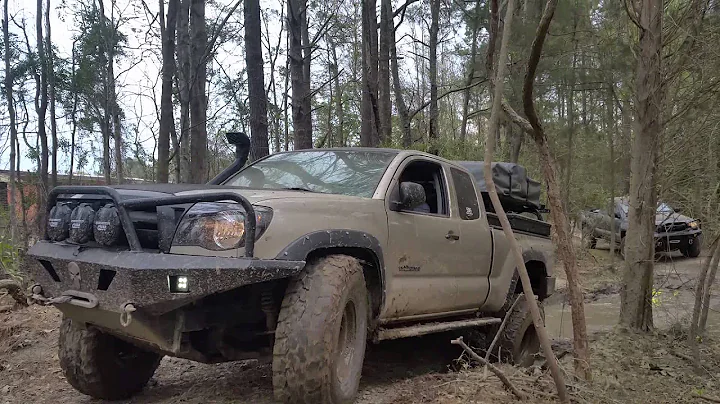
<point>452,236</point>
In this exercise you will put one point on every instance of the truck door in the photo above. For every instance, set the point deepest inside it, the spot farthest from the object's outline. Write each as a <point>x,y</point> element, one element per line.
<point>476,241</point>
<point>425,252</point>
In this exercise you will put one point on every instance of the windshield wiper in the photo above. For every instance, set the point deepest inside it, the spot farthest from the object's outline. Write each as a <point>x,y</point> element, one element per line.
<point>300,189</point>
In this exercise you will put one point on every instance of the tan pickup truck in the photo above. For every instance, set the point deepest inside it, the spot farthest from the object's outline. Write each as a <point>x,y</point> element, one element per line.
<point>299,258</point>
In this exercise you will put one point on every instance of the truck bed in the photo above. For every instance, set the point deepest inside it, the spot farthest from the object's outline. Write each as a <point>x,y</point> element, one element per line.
<point>522,224</point>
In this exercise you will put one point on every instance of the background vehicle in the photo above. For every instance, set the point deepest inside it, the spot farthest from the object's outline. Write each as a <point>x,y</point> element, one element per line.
<point>673,232</point>
<point>299,258</point>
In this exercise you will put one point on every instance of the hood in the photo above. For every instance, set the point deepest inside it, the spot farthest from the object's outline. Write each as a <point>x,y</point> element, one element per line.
<point>253,195</point>
<point>664,218</point>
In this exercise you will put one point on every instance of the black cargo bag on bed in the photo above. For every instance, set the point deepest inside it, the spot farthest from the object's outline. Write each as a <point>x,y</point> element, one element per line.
<point>515,189</point>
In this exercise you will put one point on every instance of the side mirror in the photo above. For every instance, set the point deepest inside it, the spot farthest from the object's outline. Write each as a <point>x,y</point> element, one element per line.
<point>411,195</point>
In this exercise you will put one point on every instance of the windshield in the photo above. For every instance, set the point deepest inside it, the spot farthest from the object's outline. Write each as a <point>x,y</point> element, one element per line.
<point>353,173</point>
<point>662,208</point>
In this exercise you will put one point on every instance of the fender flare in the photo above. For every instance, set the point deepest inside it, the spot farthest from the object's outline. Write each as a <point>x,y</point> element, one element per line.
<point>303,246</point>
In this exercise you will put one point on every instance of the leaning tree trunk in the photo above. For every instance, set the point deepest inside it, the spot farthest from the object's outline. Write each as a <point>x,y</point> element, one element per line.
<point>256,81</point>
<point>636,292</point>
<point>497,78</point>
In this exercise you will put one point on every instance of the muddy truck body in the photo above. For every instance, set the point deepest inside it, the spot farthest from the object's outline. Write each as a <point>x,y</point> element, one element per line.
<point>673,231</point>
<point>299,258</point>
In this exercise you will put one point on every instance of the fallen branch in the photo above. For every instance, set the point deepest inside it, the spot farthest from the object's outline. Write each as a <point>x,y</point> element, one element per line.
<point>519,394</point>
<point>707,398</point>
<point>501,329</point>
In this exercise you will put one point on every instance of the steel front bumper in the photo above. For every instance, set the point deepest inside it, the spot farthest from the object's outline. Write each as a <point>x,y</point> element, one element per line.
<point>110,280</point>
<point>676,240</point>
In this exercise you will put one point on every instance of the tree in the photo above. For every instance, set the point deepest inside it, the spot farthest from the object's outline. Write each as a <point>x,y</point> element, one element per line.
<point>370,121</point>
<point>41,101</point>
<point>167,119</point>
<point>51,84</point>
<point>387,27</point>
<point>558,213</point>
<point>9,82</point>
<point>184,78</point>
<point>198,100</point>
<point>256,81</point>
<point>433,43</point>
<point>301,111</point>
<point>636,292</point>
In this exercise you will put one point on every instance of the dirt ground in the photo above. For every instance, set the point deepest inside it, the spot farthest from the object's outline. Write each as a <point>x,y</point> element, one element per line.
<point>627,368</point>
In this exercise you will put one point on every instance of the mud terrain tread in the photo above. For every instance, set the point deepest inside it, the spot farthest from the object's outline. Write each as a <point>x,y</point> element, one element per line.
<point>302,365</point>
<point>518,322</point>
<point>90,364</point>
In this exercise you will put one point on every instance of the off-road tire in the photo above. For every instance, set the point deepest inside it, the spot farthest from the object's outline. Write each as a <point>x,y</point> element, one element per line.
<point>693,250</point>
<point>588,241</point>
<point>519,341</point>
<point>321,333</point>
<point>102,366</point>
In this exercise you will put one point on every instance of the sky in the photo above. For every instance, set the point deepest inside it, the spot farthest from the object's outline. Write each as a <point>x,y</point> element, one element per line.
<point>138,72</point>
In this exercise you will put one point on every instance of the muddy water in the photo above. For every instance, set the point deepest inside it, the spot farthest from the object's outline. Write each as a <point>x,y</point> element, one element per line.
<point>674,279</point>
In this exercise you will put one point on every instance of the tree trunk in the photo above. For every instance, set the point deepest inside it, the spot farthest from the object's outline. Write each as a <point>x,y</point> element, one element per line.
<point>184,79</point>
<point>514,144</point>
<point>369,129</point>
<point>470,75</point>
<point>51,83</point>
<point>286,96</point>
<point>611,143</point>
<point>402,108</point>
<point>340,138</point>
<point>297,22</point>
<point>433,42</point>
<point>571,116</point>
<point>73,115</point>
<point>256,81</point>
<point>42,109</point>
<point>387,26</point>
<point>198,103</point>
<point>636,292</point>
<point>701,287</point>
<point>9,81</point>
<point>167,120</point>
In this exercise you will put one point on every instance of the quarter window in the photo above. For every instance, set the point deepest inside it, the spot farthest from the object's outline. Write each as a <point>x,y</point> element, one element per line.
<point>466,196</point>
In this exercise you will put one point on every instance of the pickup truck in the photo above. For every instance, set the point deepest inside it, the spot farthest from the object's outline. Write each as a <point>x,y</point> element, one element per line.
<point>673,231</point>
<point>299,258</point>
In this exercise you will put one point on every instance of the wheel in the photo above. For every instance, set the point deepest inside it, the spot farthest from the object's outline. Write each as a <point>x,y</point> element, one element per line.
<point>589,241</point>
<point>693,247</point>
<point>102,366</point>
<point>519,341</point>
<point>321,334</point>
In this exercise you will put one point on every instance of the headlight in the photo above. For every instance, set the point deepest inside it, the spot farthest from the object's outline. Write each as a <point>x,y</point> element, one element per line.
<point>693,225</point>
<point>218,226</point>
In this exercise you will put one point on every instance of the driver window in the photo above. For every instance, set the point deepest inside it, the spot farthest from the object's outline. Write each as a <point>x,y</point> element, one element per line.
<point>430,176</point>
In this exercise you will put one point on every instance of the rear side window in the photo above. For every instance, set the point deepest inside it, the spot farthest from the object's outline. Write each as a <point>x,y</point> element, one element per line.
<point>466,197</point>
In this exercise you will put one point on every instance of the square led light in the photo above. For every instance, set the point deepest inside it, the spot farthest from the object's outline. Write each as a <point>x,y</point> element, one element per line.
<point>179,284</point>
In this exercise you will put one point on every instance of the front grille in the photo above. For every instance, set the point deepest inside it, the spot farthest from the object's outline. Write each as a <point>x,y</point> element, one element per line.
<point>671,227</point>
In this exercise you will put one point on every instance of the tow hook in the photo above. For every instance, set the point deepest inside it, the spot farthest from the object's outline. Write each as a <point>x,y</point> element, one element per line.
<point>126,315</point>
<point>35,295</point>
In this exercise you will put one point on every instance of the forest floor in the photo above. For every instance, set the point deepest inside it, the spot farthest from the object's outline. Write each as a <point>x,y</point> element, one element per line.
<point>626,367</point>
